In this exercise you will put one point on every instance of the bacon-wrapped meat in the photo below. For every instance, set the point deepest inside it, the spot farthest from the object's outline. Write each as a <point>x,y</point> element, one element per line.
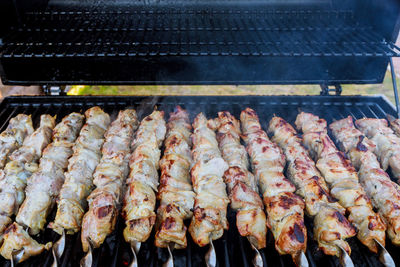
<point>384,193</point>
<point>109,179</point>
<point>284,208</point>
<point>342,179</point>
<point>41,187</point>
<point>72,203</point>
<point>13,136</point>
<point>175,191</point>
<point>140,199</point>
<point>242,185</point>
<point>331,228</point>
<point>387,144</point>
<point>24,162</point>
<point>209,213</point>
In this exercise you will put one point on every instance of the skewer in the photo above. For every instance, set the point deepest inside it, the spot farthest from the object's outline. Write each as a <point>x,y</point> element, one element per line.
<point>170,261</point>
<point>345,259</point>
<point>16,256</point>
<point>301,260</point>
<point>87,260</point>
<point>211,256</point>
<point>384,256</point>
<point>257,260</point>
<point>58,249</point>
<point>135,247</point>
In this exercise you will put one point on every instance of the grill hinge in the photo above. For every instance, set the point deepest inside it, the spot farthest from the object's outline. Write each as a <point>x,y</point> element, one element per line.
<point>327,89</point>
<point>53,89</point>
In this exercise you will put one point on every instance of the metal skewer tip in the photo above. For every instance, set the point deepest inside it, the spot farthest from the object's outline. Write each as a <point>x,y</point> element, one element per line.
<point>88,259</point>
<point>135,247</point>
<point>58,249</point>
<point>257,260</point>
<point>16,256</point>
<point>170,261</point>
<point>211,256</point>
<point>300,259</point>
<point>345,259</point>
<point>384,256</point>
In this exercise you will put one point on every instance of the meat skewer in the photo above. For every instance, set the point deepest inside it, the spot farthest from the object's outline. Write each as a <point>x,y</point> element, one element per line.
<point>24,162</point>
<point>394,124</point>
<point>384,193</point>
<point>242,185</point>
<point>109,179</point>
<point>78,184</point>
<point>284,208</point>
<point>175,191</point>
<point>211,202</point>
<point>40,191</point>
<point>343,180</point>
<point>331,228</point>
<point>387,144</point>
<point>140,199</point>
<point>13,136</point>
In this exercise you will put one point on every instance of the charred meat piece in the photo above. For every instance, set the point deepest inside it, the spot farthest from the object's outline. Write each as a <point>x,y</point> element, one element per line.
<point>343,181</point>
<point>14,135</point>
<point>175,191</point>
<point>384,193</point>
<point>331,228</point>
<point>241,183</point>
<point>211,202</point>
<point>72,203</point>
<point>109,179</point>
<point>140,199</point>
<point>285,209</point>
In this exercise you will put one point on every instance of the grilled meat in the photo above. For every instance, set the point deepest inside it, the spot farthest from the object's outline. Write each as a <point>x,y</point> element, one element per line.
<point>331,228</point>
<point>72,203</point>
<point>387,143</point>
<point>342,179</point>
<point>24,161</point>
<point>384,194</point>
<point>42,189</point>
<point>17,238</point>
<point>211,202</point>
<point>242,185</point>
<point>109,179</point>
<point>394,124</point>
<point>284,208</point>
<point>175,191</point>
<point>140,199</point>
<point>13,136</point>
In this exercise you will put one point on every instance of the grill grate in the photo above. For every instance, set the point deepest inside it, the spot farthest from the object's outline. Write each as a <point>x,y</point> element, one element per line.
<point>232,250</point>
<point>140,33</point>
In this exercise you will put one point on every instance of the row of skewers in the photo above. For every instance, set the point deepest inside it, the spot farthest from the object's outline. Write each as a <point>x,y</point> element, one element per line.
<point>95,171</point>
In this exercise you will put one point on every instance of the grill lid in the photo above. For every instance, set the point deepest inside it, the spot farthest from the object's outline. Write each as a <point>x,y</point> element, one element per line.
<point>207,42</point>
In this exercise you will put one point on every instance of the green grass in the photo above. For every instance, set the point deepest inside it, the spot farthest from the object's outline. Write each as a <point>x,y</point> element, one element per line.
<point>370,89</point>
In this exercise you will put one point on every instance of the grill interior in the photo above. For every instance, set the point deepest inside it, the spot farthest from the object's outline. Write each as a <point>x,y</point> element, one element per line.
<point>232,250</point>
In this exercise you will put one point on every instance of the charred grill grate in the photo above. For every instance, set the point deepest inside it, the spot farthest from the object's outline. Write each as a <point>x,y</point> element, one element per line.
<point>232,250</point>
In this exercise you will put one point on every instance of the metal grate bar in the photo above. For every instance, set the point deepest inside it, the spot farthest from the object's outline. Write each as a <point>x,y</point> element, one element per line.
<point>177,32</point>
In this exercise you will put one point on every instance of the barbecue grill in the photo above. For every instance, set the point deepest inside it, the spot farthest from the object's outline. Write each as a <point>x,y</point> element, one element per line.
<point>59,42</point>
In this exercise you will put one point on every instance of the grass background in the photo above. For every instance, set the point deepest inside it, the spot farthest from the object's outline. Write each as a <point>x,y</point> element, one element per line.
<point>370,89</point>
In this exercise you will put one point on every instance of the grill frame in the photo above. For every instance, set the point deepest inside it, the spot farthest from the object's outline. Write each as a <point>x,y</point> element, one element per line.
<point>225,42</point>
<point>232,250</point>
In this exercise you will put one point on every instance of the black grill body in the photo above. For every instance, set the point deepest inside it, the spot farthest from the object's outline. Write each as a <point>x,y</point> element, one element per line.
<point>197,42</point>
<point>232,249</point>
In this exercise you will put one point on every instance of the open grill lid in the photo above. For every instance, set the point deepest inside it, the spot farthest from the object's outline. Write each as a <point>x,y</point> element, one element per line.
<point>197,42</point>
